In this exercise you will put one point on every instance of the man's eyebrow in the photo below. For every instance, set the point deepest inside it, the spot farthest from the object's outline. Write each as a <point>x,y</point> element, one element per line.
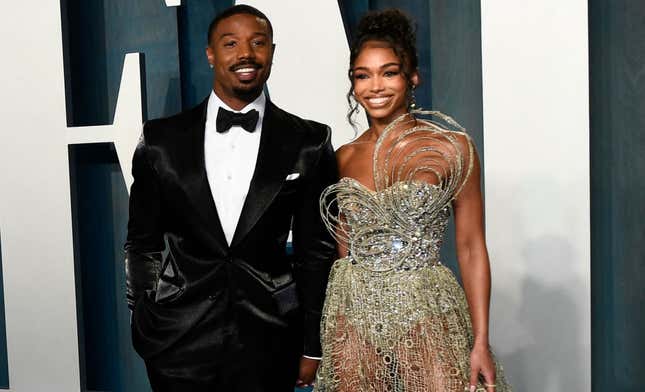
<point>223,35</point>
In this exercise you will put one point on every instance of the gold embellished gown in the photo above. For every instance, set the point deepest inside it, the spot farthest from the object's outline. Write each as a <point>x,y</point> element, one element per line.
<point>395,319</point>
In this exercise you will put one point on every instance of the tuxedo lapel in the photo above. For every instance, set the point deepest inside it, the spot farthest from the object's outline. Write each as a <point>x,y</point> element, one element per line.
<point>276,155</point>
<point>198,188</point>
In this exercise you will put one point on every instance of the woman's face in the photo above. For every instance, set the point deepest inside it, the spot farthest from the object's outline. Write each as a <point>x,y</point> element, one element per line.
<point>380,85</point>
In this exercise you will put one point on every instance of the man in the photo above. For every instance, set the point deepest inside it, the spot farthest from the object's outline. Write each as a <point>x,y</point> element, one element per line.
<point>218,188</point>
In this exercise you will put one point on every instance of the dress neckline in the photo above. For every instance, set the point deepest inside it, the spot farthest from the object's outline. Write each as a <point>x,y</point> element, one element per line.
<point>366,188</point>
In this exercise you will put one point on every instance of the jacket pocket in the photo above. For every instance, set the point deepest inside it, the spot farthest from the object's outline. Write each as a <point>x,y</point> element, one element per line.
<point>167,292</point>
<point>169,286</point>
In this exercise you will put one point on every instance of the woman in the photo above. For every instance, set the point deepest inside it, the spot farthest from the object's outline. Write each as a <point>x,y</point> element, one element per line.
<point>395,319</point>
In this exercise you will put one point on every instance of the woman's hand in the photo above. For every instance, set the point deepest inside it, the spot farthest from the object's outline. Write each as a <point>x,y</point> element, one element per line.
<point>481,362</point>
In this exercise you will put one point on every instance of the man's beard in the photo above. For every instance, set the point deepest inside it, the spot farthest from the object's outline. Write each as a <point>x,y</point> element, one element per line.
<point>248,94</point>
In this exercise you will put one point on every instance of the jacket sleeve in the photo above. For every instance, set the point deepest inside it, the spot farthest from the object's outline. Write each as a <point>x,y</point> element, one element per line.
<point>314,248</point>
<point>144,242</point>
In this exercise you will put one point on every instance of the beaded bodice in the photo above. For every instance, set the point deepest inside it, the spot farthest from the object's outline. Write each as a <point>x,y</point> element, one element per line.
<point>419,167</point>
<point>383,237</point>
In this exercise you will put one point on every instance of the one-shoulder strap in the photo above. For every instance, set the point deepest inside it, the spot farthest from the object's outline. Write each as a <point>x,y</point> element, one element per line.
<point>469,162</point>
<point>423,146</point>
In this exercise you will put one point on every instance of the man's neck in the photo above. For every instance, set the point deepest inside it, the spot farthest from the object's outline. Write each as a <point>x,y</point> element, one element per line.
<point>237,102</point>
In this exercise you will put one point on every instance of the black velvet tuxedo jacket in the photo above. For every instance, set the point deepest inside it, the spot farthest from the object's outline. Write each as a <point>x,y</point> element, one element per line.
<point>205,307</point>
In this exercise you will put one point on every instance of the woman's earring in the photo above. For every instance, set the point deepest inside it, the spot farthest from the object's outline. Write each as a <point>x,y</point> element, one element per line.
<point>413,99</point>
<point>210,65</point>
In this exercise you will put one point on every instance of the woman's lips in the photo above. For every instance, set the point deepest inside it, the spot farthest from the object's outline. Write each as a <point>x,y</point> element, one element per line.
<point>378,102</point>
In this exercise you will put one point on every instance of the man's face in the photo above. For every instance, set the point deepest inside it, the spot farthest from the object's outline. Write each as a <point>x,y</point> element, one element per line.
<point>241,51</point>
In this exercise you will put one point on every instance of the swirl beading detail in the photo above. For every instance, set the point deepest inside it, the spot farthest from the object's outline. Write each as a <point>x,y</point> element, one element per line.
<point>418,168</point>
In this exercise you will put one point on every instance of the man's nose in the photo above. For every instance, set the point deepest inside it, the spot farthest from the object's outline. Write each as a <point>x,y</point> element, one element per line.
<point>245,51</point>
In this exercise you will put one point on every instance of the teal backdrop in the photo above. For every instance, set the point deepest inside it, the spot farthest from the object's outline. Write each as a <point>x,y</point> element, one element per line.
<point>617,142</point>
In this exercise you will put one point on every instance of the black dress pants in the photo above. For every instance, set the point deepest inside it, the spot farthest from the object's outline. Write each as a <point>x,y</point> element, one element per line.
<point>232,381</point>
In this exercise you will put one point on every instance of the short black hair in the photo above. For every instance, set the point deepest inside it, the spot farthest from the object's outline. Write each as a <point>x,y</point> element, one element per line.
<point>236,10</point>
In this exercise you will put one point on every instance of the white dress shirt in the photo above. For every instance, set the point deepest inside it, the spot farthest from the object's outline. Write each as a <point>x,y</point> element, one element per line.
<point>230,159</point>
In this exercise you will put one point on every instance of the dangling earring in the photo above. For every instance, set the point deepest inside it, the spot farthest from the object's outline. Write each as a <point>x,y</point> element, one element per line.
<point>413,99</point>
<point>210,65</point>
<point>356,109</point>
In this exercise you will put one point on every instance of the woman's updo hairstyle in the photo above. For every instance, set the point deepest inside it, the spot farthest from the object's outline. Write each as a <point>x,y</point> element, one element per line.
<point>397,31</point>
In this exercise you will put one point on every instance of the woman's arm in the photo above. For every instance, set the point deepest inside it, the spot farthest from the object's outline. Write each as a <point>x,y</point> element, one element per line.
<point>475,268</point>
<point>472,253</point>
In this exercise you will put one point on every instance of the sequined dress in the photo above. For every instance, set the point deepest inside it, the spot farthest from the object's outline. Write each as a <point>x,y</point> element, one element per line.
<point>395,319</point>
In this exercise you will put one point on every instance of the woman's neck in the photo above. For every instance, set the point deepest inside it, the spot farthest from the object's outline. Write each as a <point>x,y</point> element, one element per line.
<point>377,126</point>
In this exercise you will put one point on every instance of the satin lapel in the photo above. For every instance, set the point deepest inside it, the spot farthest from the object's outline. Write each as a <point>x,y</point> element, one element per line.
<point>197,186</point>
<point>277,153</point>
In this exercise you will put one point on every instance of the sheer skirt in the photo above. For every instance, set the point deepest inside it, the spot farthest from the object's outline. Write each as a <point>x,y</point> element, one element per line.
<point>396,331</point>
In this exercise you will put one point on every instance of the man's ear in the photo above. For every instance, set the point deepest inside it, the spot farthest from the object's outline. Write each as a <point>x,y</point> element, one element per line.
<point>272,53</point>
<point>210,55</point>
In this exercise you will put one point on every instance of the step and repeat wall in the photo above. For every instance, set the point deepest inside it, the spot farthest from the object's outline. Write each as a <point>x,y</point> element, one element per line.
<point>79,78</point>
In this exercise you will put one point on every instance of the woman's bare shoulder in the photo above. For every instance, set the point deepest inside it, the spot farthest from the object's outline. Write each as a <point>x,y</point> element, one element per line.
<point>353,150</point>
<point>344,155</point>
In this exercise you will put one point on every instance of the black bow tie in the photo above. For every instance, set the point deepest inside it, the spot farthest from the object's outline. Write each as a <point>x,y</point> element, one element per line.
<point>226,119</point>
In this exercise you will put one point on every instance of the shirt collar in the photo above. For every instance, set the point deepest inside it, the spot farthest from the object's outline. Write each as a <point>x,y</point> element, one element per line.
<point>214,103</point>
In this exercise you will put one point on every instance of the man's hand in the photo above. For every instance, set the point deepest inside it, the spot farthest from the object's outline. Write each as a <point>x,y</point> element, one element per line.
<point>307,372</point>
